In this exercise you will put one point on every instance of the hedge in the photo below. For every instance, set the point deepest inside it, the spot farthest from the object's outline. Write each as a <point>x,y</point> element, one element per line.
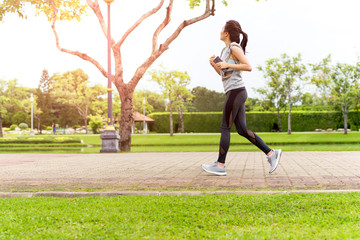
<point>257,121</point>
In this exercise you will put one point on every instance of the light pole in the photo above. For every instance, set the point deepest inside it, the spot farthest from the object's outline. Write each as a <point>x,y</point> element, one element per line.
<point>110,138</point>
<point>32,115</point>
<point>144,130</point>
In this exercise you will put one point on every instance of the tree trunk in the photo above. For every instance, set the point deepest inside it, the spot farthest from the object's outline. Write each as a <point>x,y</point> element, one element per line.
<point>279,119</point>
<point>86,110</point>
<point>182,130</point>
<point>171,119</point>
<point>345,119</point>
<point>1,133</point>
<point>126,121</point>
<point>289,117</point>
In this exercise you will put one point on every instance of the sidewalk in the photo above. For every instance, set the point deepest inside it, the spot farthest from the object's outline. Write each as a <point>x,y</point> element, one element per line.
<point>246,171</point>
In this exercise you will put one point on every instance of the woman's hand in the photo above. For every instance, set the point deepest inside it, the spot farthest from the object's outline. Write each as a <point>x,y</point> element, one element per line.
<point>211,60</point>
<point>222,65</point>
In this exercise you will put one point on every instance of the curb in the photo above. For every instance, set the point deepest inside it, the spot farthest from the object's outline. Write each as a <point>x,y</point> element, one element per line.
<point>155,193</point>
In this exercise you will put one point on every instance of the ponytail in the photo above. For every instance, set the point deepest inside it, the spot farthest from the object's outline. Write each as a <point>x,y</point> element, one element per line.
<point>244,41</point>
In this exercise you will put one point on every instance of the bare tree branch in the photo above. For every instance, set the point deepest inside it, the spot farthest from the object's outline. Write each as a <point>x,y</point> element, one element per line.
<point>94,5</point>
<point>162,25</point>
<point>76,53</point>
<point>140,71</point>
<point>138,22</point>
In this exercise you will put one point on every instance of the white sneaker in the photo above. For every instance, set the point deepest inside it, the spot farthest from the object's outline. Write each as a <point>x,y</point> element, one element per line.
<point>274,160</point>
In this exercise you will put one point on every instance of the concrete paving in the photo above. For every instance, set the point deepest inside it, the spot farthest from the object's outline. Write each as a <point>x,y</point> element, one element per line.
<point>128,173</point>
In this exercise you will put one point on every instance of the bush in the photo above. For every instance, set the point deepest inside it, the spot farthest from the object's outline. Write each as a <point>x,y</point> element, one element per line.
<point>49,128</point>
<point>76,126</point>
<point>96,123</point>
<point>19,117</point>
<point>23,126</point>
<point>12,127</point>
<point>256,121</point>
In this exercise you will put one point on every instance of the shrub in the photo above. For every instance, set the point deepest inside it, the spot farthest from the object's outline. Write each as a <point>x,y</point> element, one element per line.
<point>49,128</point>
<point>12,127</point>
<point>23,126</point>
<point>76,126</point>
<point>96,123</point>
<point>19,117</point>
<point>256,121</point>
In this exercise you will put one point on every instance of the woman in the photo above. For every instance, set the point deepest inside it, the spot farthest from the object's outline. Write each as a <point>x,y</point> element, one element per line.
<point>230,65</point>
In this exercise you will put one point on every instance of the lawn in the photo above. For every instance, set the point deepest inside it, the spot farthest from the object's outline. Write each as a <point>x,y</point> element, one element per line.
<point>285,216</point>
<point>184,143</point>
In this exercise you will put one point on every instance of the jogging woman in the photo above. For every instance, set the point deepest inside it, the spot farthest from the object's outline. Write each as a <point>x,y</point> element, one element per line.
<point>230,65</point>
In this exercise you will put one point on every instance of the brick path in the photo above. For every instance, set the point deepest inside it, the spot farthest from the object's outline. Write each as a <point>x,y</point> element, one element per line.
<point>177,171</point>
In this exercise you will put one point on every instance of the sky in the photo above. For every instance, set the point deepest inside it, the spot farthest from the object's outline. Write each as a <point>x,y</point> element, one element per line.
<point>314,28</point>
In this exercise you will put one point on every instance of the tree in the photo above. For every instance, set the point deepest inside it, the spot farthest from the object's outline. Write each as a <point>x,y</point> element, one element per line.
<point>71,89</point>
<point>183,95</point>
<point>73,9</point>
<point>293,72</point>
<point>321,77</point>
<point>346,88</point>
<point>173,85</point>
<point>206,100</point>
<point>3,101</point>
<point>45,101</point>
<point>17,96</point>
<point>274,92</point>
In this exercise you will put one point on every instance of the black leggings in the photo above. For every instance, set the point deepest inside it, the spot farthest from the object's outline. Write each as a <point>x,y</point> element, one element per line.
<point>234,112</point>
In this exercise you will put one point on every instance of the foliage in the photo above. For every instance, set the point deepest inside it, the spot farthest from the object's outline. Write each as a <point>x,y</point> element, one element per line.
<point>68,9</point>
<point>346,87</point>
<point>285,76</point>
<point>13,126</point>
<point>19,117</point>
<point>23,126</point>
<point>321,77</point>
<point>96,123</point>
<point>71,88</point>
<point>174,87</point>
<point>256,121</point>
<point>205,100</point>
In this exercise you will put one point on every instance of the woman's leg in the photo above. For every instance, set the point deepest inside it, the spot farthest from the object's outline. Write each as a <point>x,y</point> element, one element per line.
<point>241,127</point>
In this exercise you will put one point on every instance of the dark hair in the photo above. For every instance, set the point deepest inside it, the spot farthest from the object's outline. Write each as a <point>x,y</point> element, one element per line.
<point>234,29</point>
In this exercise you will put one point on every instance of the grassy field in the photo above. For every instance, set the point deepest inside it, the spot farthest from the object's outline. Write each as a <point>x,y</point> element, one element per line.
<point>287,216</point>
<point>184,143</point>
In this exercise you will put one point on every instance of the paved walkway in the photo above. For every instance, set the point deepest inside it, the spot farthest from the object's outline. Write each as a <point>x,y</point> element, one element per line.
<point>177,171</point>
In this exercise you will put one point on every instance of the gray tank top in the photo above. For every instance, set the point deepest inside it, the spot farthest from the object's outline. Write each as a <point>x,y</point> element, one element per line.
<point>231,78</point>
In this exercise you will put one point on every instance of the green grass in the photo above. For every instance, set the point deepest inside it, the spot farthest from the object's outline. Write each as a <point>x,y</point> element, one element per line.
<point>185,143</point>
<point>287,216</point>
<point>213,139</point>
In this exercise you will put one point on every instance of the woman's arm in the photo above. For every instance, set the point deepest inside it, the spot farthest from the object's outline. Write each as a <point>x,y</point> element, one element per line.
<point>217,69</point>
<point>240,56</point>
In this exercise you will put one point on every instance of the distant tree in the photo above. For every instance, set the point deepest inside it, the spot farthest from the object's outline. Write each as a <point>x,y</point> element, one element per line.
<point>321,77</point>
<point>19,117</point>
<point>154,101</point>
<point>346,88</point>
<point>17,96</point>
<point>206,100</point>
<point>173,85</point>
<point>274,92</point>
<point>71,88</point>
<point>3,101</point>
<point>294,73</point>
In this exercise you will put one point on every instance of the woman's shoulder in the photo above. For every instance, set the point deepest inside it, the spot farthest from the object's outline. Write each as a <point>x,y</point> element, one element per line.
<point>235,44</point>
